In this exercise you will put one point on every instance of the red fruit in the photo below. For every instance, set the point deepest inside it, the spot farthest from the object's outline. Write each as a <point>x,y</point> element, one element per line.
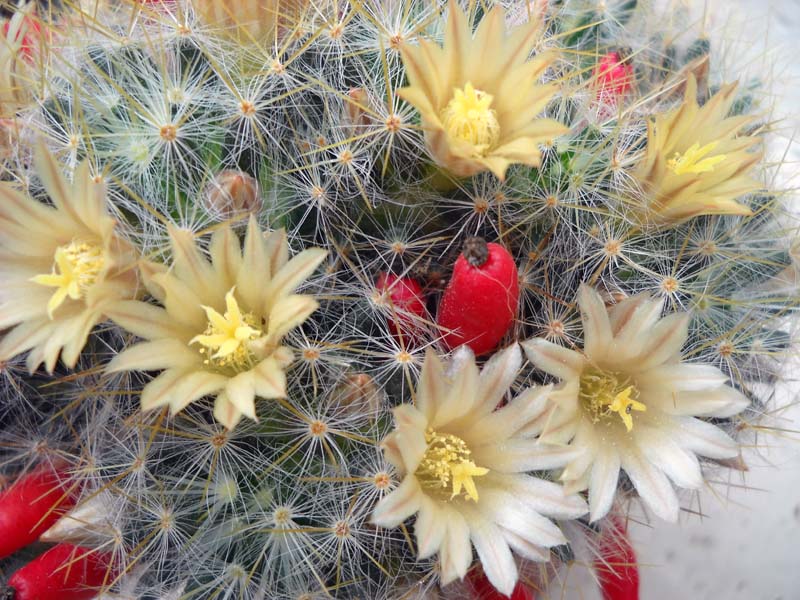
<point>613,77</point>
<point>618,572</point>
<point>483,590</point>
<point>405,303</point>
<point>65,572</point>
<point>480,301</point>
<point>31,505</point>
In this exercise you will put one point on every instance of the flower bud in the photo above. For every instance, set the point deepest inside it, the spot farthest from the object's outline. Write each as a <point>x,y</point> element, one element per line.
<point>232,195</point>
<point>358,393</point>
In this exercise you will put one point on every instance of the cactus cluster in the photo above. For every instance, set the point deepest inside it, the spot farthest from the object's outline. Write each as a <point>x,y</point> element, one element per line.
<point>225,230</point>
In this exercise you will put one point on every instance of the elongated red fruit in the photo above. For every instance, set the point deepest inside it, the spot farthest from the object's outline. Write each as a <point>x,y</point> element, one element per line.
<point>405,301</point>
<point>480,301</point>
<point>481,589</point>
<point>619,574</point>
<point>65,572</point>
<point>31,505</point>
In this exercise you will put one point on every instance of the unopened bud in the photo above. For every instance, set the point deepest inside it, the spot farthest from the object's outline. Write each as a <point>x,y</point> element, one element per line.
<point>357,99</point>
<point>358,393</point>
<point>232,195</point>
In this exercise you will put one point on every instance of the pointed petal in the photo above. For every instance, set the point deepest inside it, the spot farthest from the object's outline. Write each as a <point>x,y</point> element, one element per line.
<point>225,412</point>
<point>145,320</point>
<point>554,359</point>
<point>152,356</point>
<point>240,391</point>
<point>703,438</point>
<point>455,554</point>
<point>293,273</point>
<point>429,528</point>
<point>596,326</point>
<point>603,482</point>
<point>269,379</point>
<point>494,554</point>
<point>652,485</point>
<point>399,504</point>
<point>432,386</point>
<point>680,466</point>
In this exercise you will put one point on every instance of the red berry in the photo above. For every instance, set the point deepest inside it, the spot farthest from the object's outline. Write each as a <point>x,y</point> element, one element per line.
<point>617,572</point>
<point>65,572</point>
<point>613,77</point>
<point>480,301</point>
<point>31,505</point>
<point>483,590</point>
<point>405,303</point>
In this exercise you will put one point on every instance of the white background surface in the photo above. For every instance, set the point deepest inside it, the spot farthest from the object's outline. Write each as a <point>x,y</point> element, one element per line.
<point>747,544</point>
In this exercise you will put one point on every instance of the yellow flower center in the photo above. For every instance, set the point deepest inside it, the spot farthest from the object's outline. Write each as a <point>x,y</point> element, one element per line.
<point>446,462</point>
<point>227,340</point>
<point>75,269</point>
<point>469,117</point>
<point>604,394</point>
<point>694,161</point>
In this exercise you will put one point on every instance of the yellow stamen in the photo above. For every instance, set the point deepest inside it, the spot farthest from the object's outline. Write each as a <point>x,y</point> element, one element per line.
<point>75,269</point>
<point>693,161</point>
<point>603,394</point>
<point>446,461</point>
<point>228,335</point>
<point>469,117</point>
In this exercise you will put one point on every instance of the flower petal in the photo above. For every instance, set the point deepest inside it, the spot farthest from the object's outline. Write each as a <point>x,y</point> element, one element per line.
<point>269,379</point>
<point>145,320</point>
<point>455,554</point>
<point>293,273</point>
<point>518,455</point>
<point>429,528</point>
<point>494,554</point>
<point>241,392</point>
<point>225,412</point>
<point>554,359</point>
<point>432,385</point>
<point>603,482</point>
<point>680,466</point>
<point>544,497</point>
<point>596,326</point>
<point>399,504</point>
<point>652,485</point>
<point>703,438</point>
<point>155,356</point>
<point>505,422</point>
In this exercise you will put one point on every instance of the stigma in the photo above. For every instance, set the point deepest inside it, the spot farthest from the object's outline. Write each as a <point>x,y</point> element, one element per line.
<point>604,395</point>
<point>446,463</point>
<point>76,267</point>
<point>226,340</point>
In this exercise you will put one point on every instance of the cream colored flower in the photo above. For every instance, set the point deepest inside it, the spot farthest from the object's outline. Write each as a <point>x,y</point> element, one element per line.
<point>695,162</point>
<point>479,96</point>
<point>222,324</point>
<point>62,266</point>
<point>463,465</point>
<point>628,402</point>
<point>249,22</point>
